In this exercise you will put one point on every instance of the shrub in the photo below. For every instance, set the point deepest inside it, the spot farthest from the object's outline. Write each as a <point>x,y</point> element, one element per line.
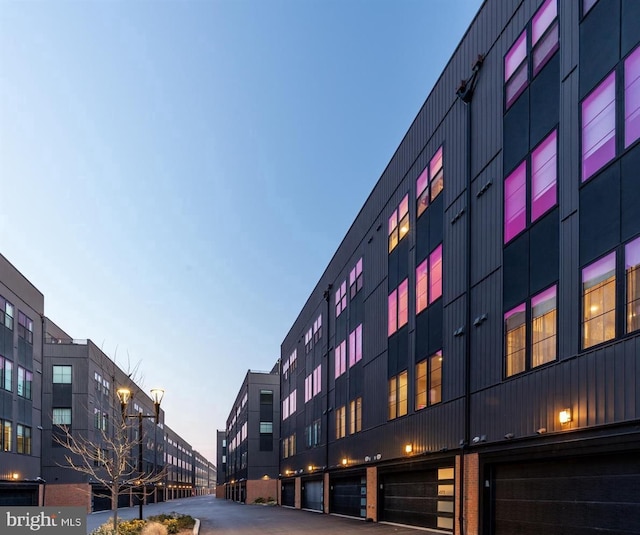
<point>259,500</point>
<point>131,527</point>
<point>155,528</point>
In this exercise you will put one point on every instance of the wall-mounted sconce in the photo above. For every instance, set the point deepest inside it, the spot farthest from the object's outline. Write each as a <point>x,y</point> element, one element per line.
<point>367,459</point>
<point>480,320</point>
<point>541,431</point>
<point>458,332</point>
<point>408,448</point>
<point>564,416</point>
<point>310,468</point>
<point>15,476</point>
<point>345,461</point>
<point>481,438</point>
<point>509,436</point>
<point>378,456</point>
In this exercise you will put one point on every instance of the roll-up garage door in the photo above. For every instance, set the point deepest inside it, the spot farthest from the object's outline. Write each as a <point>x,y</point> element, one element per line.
<point>289,493</point>
<point>418,498</point>
<point>349,496</point>
<point>312,495</point>
<point>570,496</point>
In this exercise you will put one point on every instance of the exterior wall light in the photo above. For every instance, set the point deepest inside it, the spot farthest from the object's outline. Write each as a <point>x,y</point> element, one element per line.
<point>15,476</point>
<point>310,468</point>
<point>564,416</point>
<point>345,461</point>
<point>408,448</point>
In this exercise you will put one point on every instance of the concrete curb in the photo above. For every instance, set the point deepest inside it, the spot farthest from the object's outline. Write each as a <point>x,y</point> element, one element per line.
<point>196,527</point>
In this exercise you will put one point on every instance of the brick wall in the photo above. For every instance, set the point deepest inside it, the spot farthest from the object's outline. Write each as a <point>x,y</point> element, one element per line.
<point>298,502</point>
<point>261,488</point>
<point>471,494</point>
<point>68,495</point>
<point>372,493</point>
<point>220,491</point>
<point>325,489</point>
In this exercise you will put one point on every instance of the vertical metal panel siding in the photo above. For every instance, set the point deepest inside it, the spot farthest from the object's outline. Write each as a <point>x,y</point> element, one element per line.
<point>569,146</point>
<point>454,251</point>
<point>569,16</point>
<point>569,293</point>
<point>453,350</point>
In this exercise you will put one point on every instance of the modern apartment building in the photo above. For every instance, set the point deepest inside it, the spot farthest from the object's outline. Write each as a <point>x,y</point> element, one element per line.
<point>221,462</point>
<point>251,439</point>
<point>21,312</point>
<point>468,361</point>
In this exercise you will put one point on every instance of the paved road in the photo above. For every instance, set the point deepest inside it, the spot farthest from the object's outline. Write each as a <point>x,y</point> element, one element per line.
<point>221,517</point>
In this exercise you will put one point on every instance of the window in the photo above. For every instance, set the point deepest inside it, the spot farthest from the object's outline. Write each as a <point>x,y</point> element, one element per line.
<point>599,127</point>
<point>341,298</point>
<point>429,381</point>
<point>599,301</point>
<point>543,327</point>
<point>544,34</point>
<point>398,307</point>
<point>430,183</point>
<point>25,381</point>
<point>355,345</point>
<point>317,380</point>
<point>308,388</point>
<point>632,98</point>
<point>101,420</point>
<point>421,286</point>
<point>632,275</point>
<point>23,439</point>
<point>312,434</point>
<point>355,416</point>
<point>5,439</point>
<point>6,313</point>
<point>587,5</point>
<point>289,405</point>
<point>399,223</point>
<point>544,43</point>
<point>61,417</point>
<point>544,172</point>
<point>290,364</point>
<point>308,340</point>
<point>429,280</point>
<point>341,358</point>
<point>355,279</point>
<point>25,327</point>
<point>398,405</point>
<point>61,374</point>
<point>6,374</point>
<point>317,329</point>
<point>341,422</point>
<point>515,340</point>
<point>289,446</point>
<point>266,427</point>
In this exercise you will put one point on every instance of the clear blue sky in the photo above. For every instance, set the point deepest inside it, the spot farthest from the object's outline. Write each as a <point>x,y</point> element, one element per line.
<point>175,176</point>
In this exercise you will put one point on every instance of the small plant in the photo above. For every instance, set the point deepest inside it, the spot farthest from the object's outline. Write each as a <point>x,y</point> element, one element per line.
<point>259,500</point>
<point>131,527</point>
<point>155,528</point>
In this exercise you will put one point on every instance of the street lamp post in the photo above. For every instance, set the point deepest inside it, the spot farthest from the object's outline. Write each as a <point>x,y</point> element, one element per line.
<point>124,395</point>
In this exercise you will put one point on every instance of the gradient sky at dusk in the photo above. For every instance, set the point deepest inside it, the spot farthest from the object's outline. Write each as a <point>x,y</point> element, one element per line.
<point>175,176</point>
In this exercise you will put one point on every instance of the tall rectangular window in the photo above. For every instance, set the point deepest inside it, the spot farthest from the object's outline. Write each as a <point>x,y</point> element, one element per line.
<point>543,176</point>
<point>6,435</point>
<point>355,279</point>
<point>599,301</point>
<point>632,275</point>
<point>25,327</point>
<point>341,298</point>
<point>437,174</point>
<point>398,392</point>
<point>308,340</point>
<point>61,374</point>
<point>25,381</point>
<point>632,98</point>
<point>515,202</point>
<point>355,345</point>
<point>515,344</point>
<point>308,388</point>
<point>403,303</point>
<point>317,328</point>
<point>6,374</point>
<point>341,422</point>
<point>599,127</point>
<point>544,34</point>
<point>421,286</point>
<point>340,358</point>
<point>61,416</point>
<point>430,183</point>
<point>317,380</point>
<point>435,378</point>
<point>355,413</point>
<point>515,69</point>
<point>543,326</point>
<point>6,313</point>
<point>435,274</point>
<point>392,312</point>
<point>399,223</point>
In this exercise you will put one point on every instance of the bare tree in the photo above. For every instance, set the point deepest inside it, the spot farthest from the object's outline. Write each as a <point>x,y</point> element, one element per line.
<point>109,460</point>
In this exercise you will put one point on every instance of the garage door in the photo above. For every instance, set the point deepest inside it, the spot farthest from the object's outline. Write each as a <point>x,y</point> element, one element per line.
<point>572,496</point>
<point>289,493</point>
<point>418,498</point>
<point>312,495</point>
<point>349,496</point>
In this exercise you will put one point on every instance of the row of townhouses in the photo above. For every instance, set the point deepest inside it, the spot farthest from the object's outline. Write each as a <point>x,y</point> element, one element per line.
<point>54,387</point>
<point>469,361</point>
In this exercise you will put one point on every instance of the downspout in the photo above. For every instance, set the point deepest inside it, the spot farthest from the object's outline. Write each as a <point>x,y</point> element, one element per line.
<point>327,409</point>
<point>465,94</point>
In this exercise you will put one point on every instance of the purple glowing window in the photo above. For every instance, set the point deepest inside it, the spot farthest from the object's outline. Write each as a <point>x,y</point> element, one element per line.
<point>341,358</point>
<point>421,287</point>
<point>355,345</point>
<point>435,274</point>
<point>632,98</point>
<point>422,182</point>
<point>543,19</point>
<point>544,34</point>
<point>516,55</point>
<point>317,380</point>
<point>403,303</point>
<point>587,5</point>
<point>515,202</point>
<point>599,127</point>
<point>543,176</point>
<point>599,270</point>
<point>393,312</point>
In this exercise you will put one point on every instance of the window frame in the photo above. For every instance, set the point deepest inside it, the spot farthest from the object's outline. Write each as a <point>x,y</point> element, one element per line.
<point>632,292</point>
<point>591,275</point>
<point>398,223</point>
<point>632,95</point>
<point>355,279</point>
<point>398,307</point>
<point>395,389</point>
<point>63,371</point>
<point>598,107</point>
<point>425,371</point>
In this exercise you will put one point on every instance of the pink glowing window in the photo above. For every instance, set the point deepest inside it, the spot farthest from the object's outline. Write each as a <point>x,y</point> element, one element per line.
<point>544,34</point>
<point>341,358</point>
<point>308,383</point>
<point>355,279</point>
<point>515,202</point>
<point>437,174</point>
<point>355,345</point>
<point>421,287</point>
<point>599,127</point>
<point>422,192</point>
<point>515,69</point>
<point>543,176</point>
<point>317,380</point>
<point>632,98</point>
<point>435,274</point>
<point>587,5</point>
<point>393,312</point>
<point>403,303</point>
<point>393,221</point>
<point>403,209</point>
<point>341,298</point>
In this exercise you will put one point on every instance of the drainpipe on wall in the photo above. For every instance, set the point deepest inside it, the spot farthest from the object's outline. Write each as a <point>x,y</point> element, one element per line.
<point>327,409</point>
<point>465,93</point>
